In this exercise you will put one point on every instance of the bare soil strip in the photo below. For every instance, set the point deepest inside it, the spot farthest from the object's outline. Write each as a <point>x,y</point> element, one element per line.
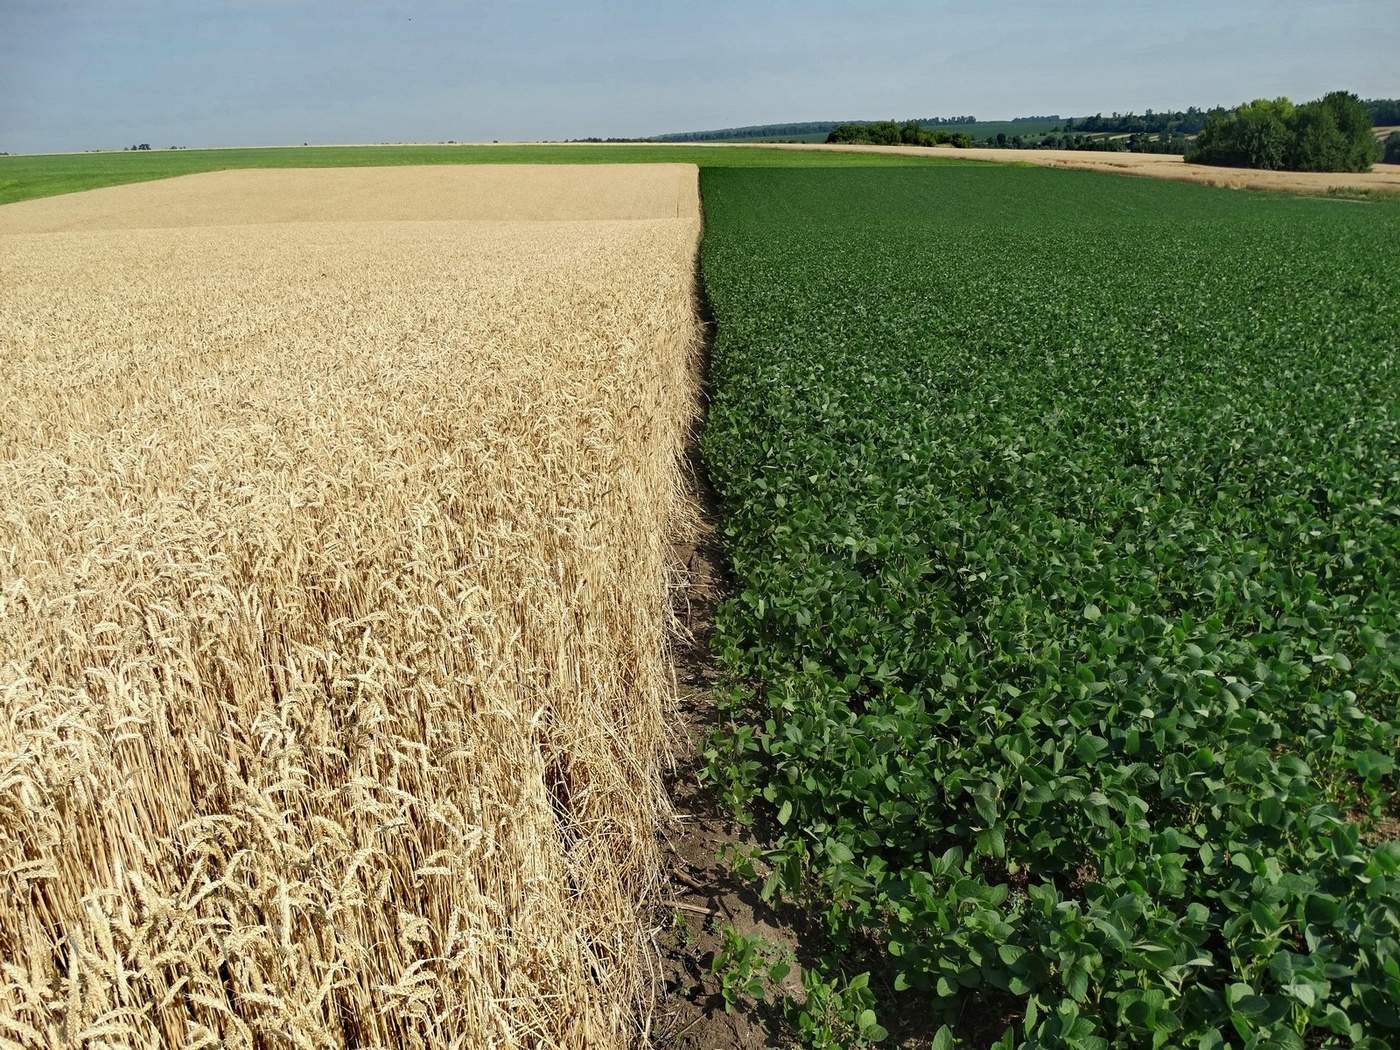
<point>334,562</point>
<point>703,894</point>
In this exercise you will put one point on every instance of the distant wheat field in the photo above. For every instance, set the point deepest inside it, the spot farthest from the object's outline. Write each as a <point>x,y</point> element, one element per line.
<point>335,515</point>
<point>1381,179</point>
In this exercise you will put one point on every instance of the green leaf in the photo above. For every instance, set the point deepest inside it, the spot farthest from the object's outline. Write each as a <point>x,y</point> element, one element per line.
<point>1077,982</point>
<point>839,851</point>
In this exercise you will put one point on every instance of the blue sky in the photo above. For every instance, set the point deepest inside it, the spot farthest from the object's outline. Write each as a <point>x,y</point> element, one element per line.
<point>104,73</point>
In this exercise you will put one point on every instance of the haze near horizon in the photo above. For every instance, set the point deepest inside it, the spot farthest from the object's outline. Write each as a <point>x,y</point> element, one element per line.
<point>87,74</point>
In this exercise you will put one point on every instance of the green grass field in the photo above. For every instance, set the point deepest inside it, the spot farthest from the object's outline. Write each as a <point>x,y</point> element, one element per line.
<point>1063,667</point>
<point>24,177</point>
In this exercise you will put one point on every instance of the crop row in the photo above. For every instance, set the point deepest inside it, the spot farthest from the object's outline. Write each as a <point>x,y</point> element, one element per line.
<point>1062,665</point>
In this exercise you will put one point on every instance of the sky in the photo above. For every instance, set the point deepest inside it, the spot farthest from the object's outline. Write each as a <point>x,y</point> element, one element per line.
<point>104,73</point>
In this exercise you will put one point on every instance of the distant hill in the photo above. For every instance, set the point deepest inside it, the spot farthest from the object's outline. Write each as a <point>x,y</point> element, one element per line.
<point>817,130</point>
<point>1190,121</point>
<point>802,129</point>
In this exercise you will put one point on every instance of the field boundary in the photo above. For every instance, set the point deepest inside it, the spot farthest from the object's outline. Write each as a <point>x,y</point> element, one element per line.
<point>705,895</point>
<point>1382,181</point>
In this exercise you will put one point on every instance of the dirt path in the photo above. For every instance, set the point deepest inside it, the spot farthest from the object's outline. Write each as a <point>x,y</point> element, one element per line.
<point>1383,178</point>
<point>702,896</point>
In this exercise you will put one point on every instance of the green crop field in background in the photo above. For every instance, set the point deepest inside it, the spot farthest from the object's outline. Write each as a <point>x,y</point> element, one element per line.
<point>24,177</point>
<point>1064,658</point>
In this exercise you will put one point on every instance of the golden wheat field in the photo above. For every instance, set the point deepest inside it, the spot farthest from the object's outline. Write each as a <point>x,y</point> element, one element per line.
<point>333,556</point>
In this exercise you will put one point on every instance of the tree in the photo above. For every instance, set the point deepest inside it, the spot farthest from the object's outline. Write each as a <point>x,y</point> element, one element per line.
<point>1332,133</point>
<point>1264,136</point>
<point>1359,147</point>
<point>1392,148</point>
<point>1318,144</point>
<point>1256,135</point>
<point>1383,111</point>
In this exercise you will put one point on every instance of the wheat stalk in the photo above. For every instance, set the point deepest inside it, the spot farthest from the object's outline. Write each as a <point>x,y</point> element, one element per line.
<point>333,561</point>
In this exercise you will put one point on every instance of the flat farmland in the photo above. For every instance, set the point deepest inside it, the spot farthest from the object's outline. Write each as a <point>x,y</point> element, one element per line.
<point>27,177</point>
<point>332,631</point>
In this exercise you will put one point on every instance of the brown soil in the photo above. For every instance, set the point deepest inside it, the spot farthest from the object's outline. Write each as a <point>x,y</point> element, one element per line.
<point>703,896</point>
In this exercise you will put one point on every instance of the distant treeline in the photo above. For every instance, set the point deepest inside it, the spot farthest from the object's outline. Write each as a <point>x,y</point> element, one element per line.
<point>914,133</point>
<point>888,133</point>
<point>1384,111</point>
<point>1380,112</point>
<point>1189,121</point>
<point>803,128</point>
<point>1332,133</point>
<point>752,131</point>
<point>1141,142</point>
<point>929,122</point>
<point>1184,121</point>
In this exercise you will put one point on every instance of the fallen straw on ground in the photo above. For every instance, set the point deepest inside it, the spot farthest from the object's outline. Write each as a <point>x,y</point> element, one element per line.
<point>332,626</point>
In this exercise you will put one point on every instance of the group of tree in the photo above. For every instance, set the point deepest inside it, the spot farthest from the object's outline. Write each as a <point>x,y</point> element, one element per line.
<point>933,122</point>
<point>1183,121</point>
<point>888,133</point>
<point>1381,112</point>
<point>1162,142</point>
<point>917,133</point>
<point>751,131</point>
<point>1384,111</point>
<point>801,129</point>
<point>1149,132</point>
<point>141,146</point>
<point>1332,133</point>
<point>1391,149</point>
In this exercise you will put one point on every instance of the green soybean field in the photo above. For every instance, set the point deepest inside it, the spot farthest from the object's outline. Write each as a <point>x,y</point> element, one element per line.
<point>1061,668</point>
